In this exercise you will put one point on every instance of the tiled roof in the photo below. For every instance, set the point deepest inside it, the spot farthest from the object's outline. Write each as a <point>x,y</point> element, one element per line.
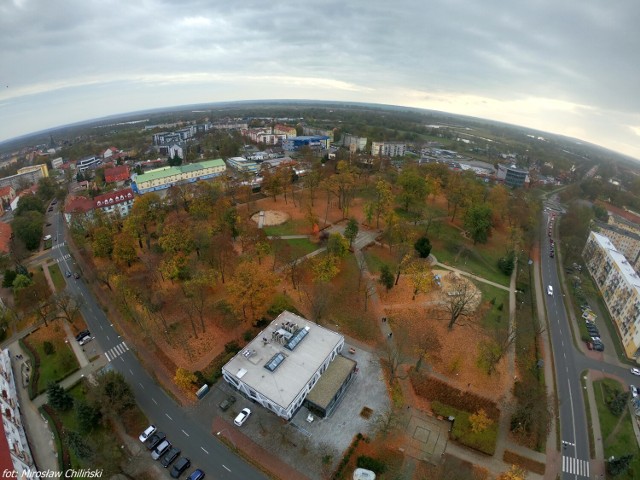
<point>113,198</point>
<point>117,174</point>
<point>78,205</point>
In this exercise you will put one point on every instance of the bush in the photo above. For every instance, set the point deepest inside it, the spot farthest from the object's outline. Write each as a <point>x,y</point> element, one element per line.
<point>423,247</point>
<point>279,305</point>
<point>232,347</point>
<point>524,462</point>
<point>9,277</point>
<point>376,466</point>
<point>436,390</point>
<point>462,432</point>
<point>506,264</point>
<point>48,348</point>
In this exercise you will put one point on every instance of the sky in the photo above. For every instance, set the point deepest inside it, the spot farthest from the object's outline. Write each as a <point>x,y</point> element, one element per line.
<point>570,67</point>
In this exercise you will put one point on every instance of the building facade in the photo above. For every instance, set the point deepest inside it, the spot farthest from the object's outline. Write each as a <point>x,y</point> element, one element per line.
<point>14,449</point>
<point>317,142</point>
<point>285,363</point>
<point>25,177</point>
<point>360,142</point>
<point>118,202</point>
<point>166,177</point>
<point>388,149</point>
<point>241,164</point>
<point>619,285</point>
<point>512,176</point>
<point>625,241</point>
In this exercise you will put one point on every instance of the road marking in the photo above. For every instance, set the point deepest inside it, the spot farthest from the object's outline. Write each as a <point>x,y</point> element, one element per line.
<point>169,417</point>
<point>186,433</point>
<point>575,466</point>
<point>131,371</point>
<point>206,452</point>
<point>141,385</point>
<point>226,468</point>
<point>101,327</point>
<point>116,351</point>
<point>154,400</point>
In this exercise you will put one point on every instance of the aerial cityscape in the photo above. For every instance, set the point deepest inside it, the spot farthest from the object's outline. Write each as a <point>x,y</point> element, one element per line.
<point>319,242</point>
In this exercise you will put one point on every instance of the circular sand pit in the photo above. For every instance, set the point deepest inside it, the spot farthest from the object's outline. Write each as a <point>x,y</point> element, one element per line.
<point>270,217</point>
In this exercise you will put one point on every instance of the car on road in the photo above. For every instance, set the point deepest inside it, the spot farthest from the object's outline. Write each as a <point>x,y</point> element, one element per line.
<point>150,430</point>
<point>196,475</point>
<point>227,402</point>
<point>48,225</point>
<point>76,275</point>
<point>634,390</point>
<point>242,417</point>
<point>86,333</point>
<point>169,457</point>
<point>162,448</point>
<point>67,274</point>
<point>549,290</point>
<point>154,440</point>
<point>180,466</point>
<point>635,371</point>
<point>85,340</point>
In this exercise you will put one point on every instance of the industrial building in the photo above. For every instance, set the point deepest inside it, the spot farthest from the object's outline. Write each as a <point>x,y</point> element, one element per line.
<point>166,177</point>
<point>317,142</point>
<point>292,363</point>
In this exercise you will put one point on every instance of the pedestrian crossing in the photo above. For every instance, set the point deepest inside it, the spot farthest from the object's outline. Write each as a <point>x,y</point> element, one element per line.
<point>64,257</point>
<point>116,351</point>
<point>58,245</point>
<point>575,466</point>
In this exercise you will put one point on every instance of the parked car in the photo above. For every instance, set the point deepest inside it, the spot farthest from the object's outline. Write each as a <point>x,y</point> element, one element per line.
<point>169,457</point>
<point>85,340</point>
<point>86,333</point>
<point>154,440</point>
<point>150,430</point>
<point>635,371</point>
<point>634,391</point>
<point>598,346</point>
<point>196,475</point>
<point>180,466</point>
<point>162,448</point>
<point>242,417</point>
<point>227,402</point>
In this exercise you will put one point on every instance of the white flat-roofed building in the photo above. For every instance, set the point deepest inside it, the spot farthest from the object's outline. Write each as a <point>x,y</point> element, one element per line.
<point>280,367</point>
<point>241,164</point>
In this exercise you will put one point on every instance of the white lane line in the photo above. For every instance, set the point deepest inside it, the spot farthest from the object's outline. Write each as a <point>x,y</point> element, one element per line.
<point>226,468</point>
<point>131,371</point>
<point>186,433</point>
<point>141,385</point>
<point>154,400</point>
<point>108,337</point>
<point>107,355</point>
<point>206,452</point>
<point>169,417</point>
<point>101,327</point>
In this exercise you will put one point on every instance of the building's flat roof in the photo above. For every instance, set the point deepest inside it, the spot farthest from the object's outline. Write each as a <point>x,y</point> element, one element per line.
<point>289,377</point>
<point>618,230</point>
<point>164,172</point>
<point>627,271</point>
<point>330,381</point>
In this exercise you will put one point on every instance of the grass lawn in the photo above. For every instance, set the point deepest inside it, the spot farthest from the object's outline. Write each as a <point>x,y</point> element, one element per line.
<point>290,227</point>
<point>484,441</point>
<point>56,276</point>
<point>376,256</point>
<point>48,244</point>
<point>617,432</point>
<point>61,363</point>
<point>497,318</point>
<point>302,246</point>
<point>451,248</point>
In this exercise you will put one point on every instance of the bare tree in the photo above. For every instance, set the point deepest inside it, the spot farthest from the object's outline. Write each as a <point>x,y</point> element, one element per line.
<point>318,295</point>
<point>68,305</point>
<point>369,291</point>
<point>461,301</point>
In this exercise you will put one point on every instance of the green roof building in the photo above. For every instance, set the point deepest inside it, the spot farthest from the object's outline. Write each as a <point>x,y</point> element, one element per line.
<point>166,177</point>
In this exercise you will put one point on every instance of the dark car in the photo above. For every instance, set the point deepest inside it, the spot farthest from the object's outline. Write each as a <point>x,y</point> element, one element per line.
<point>169,457</point>
<point>196,475</point>
<point>227,402</point>
<point>48,225</point>
<point>67,274</point>
<point>180,466</point>
<point>154,440</point>
<point>82,334</point>
<point>76,275</point>
<point>598,346</point>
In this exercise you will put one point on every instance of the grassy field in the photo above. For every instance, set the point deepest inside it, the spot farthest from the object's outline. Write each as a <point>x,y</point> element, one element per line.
<point>53,368</point>
<point>56,276</point>
<point>497,318</point>
<point>451,248</point>
<point>290,227</point>
<point>617,432</point>
<point>376,256</point>
<point>302,246</point>
<point>484,441</point>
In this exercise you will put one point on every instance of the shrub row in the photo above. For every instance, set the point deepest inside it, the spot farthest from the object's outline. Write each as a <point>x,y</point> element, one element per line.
<point>214,370</point>
<point>64,457</point>
<point>524,462</point>
<point>347,456</point>
<point>434,389</point>
<point>484,441</point>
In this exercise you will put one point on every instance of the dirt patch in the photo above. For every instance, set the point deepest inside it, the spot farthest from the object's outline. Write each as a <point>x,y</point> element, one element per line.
<point>270,217</point>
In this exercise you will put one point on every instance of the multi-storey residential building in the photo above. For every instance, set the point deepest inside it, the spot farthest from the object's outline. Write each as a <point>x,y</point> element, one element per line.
<point>620,287</point>
<point>166,177</point>
<point>57,162</point>
<point>119,202</point>
<point>315,132</point>
<point>25,177</point>
<point>348,140</point>
<point>623,223</point>
<point>388,149</point>
<point>625,241</point>
<point>285,129</point>
<point>15,454</point>
<point>292,363</point>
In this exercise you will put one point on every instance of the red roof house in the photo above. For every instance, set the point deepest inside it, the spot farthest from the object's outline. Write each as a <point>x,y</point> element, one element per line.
<point>117,174</point>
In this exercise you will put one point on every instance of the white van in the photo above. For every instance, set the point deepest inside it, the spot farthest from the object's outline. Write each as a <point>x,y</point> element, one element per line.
<point>47,237</point>
<point>550,290</point>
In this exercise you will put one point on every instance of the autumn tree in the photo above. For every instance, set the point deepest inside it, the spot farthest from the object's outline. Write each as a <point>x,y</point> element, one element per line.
<point>514,473</point>
<point>102,242</point>
<point>324,267</point>
<point>124,250</point>
<point>250,289</point>
<point>220,254</point>
<point>479,421</point>
<point>420,276</point>
<point>337,245</point>
<point>461,300</point>
<point>351,230</point>
<point>477,221</point>
<point>383,201</point>
<point>311,182</point>
<point>414,188</point>
<point>198,290</point>
<point>185,379</point>
<point>386,277</point>
<point>112,393</point>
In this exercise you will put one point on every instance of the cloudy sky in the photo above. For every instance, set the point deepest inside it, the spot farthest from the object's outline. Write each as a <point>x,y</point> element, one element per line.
<point>564,66</point>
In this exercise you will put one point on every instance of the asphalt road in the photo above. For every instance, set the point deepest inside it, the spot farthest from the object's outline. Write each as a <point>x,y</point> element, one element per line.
<point>193,437</point>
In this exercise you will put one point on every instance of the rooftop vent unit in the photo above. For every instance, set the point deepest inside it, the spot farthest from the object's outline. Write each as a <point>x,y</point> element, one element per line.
<point>290,327</point>
<point>248,353</point>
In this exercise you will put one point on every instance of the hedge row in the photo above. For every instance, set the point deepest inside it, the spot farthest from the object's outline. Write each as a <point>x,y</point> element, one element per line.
<point>347,456</point>
<point>35,368</point>
<point>434,389</point>
<point>64,457</point>
<point>524,462</point>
